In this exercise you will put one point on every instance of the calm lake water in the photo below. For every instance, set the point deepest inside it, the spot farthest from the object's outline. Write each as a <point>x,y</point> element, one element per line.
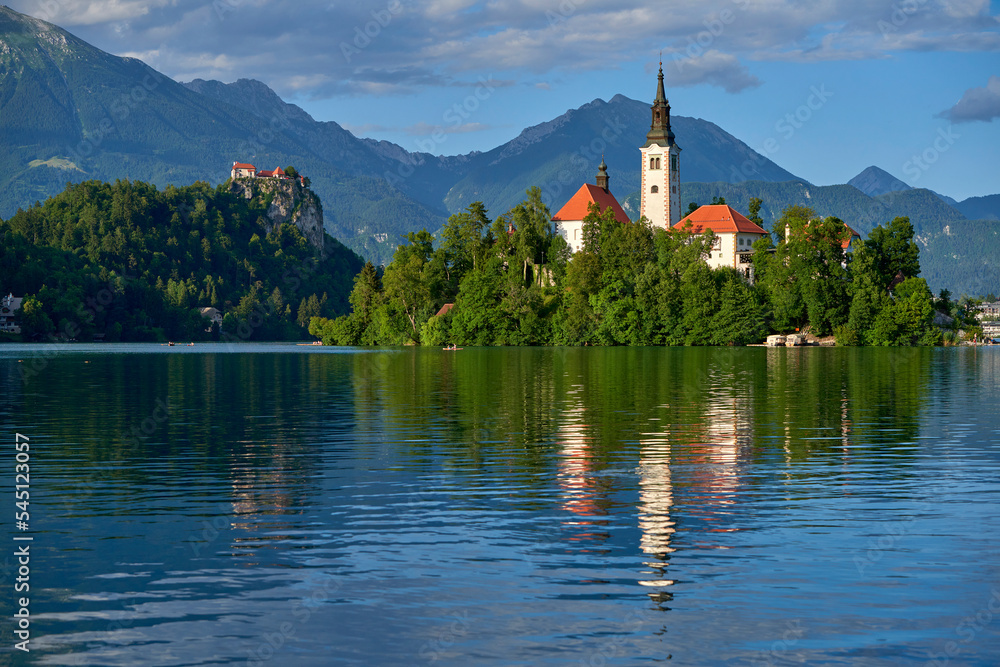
<point>288,505</point>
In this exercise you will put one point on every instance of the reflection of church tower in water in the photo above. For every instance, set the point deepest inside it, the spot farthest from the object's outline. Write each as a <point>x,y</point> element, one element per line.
<point>705,444</point>
<point>656,500</point>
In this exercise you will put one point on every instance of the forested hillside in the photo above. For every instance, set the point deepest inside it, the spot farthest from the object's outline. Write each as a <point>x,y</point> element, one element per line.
<point>963,263</point>
<point>133,262</point>
<point>513,282</point>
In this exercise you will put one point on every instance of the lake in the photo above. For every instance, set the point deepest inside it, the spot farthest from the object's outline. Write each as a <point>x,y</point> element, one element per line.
<point>294,505</point>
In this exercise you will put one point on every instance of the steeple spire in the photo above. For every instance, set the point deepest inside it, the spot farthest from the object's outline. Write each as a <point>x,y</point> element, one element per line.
<point>602,175</point>
<point>660,132</point>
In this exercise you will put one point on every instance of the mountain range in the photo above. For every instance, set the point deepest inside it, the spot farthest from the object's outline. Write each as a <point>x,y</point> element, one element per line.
<point>71,112</point>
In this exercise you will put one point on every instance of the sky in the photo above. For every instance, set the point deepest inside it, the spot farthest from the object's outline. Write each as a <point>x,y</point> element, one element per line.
<point>824,88</point>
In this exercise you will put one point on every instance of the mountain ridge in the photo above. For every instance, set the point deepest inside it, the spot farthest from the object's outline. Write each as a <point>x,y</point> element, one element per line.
<point>80,113</point>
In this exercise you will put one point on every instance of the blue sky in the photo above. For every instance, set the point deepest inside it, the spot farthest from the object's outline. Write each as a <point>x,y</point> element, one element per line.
<point>912,86</point>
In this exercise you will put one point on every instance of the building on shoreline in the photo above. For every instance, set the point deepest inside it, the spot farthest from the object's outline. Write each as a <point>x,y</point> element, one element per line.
<point>9,305</point>
<point>735,235</point>
<point>569,220</point>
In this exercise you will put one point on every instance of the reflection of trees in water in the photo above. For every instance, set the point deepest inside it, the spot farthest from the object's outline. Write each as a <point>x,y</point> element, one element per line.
<point>231,416</point>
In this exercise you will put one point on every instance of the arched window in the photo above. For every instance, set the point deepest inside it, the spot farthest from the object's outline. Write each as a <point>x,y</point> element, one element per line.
<point>654,189</point>
<point>652,163</point>
<point>657,163</point>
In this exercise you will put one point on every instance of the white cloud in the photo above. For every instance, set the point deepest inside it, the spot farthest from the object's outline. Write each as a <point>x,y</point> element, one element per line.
<point>340,48</point>
<point>714,68</point>
<point>66,13</point>
<point>977,104</point>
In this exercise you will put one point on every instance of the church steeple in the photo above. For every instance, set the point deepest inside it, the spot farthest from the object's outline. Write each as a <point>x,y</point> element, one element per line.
<point>660,201</point>
<point>660,132</point>
<point>602,175</point>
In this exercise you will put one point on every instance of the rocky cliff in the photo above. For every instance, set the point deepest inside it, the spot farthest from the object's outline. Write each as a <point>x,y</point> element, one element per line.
<point>286,201</point>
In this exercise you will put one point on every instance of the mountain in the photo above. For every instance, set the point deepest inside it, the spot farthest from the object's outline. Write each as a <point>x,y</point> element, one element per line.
<point>985,208</point>
<point>71,112</point>
<point>560,155</point>
<point>146,261</point>
<point>874,181</point>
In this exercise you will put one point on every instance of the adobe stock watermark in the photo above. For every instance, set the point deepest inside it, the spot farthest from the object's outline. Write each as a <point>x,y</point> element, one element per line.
<point>444,638</point>
<point>250,147</point>
<point>920,163</point>
<point>780,647</point>
<point>699,44</point>
<point>585,157</point>
<point>48,10</point>
<point>270,643</point>
<point>895,532</point>
<point>149,425</point>
<point>86,310</point>
<point>565,10</point>
<point>211,530</point>
<point>365,35</point>
<point>786,127</point>
<point>119,110</point>
<point>292,279</point>
<point>899,16</point>
<point>453,117</point>
<point>630,626</point>
<point>967,630</point>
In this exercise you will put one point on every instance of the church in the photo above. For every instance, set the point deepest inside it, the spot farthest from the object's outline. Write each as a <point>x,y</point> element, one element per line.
<point>660,198</point>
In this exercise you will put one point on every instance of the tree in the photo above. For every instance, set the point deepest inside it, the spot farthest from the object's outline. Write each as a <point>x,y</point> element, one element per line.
<point>405,287</point>
<point>808,279</point>
<point>894,251</point>
<point>740,318</point>
<point>754,209</point>
<point>533,231</point>
<point>462,240</point>
<point>32,319</point>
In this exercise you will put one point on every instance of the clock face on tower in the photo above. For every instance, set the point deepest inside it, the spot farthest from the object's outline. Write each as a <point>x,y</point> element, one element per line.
<point>660,193</point>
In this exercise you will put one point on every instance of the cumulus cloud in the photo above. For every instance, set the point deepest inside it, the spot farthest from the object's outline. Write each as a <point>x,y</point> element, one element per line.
<point>714,68</point>
<point>320,48</point>
<point>976,104</point>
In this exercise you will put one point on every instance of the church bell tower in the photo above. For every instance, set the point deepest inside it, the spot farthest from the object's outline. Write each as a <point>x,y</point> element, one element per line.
<point>661,186</point>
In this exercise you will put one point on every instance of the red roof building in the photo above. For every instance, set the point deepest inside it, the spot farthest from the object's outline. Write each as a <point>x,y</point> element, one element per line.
<point>735,236</point>
<point>569,220</point>
<point>721,219</point>
<point>243,170</point>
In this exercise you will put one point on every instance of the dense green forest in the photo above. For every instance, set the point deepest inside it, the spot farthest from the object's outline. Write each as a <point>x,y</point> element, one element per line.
<point>513,282</point>
<point>132,262</point>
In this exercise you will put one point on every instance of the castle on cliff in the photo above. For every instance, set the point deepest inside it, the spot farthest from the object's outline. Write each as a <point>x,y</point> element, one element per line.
<point>244,170</point>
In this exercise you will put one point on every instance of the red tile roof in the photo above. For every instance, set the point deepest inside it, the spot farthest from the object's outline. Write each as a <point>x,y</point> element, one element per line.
<point>721,219</point>
<point>576,207</point>
<point>265,174</point>
<point>847,244</point>
<point>445,309</point>
<point>243,165</point>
